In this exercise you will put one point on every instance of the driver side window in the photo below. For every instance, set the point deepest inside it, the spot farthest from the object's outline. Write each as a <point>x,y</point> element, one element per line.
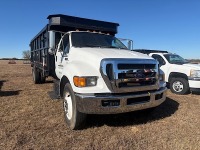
<point>159,59</point>
<point>65,45</point>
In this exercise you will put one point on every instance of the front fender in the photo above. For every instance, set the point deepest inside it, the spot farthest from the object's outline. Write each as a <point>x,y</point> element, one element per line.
<point>72,69</point>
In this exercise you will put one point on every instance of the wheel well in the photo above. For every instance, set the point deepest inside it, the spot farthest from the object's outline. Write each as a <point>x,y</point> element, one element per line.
<point>177,75</point>
<point>63,81</point>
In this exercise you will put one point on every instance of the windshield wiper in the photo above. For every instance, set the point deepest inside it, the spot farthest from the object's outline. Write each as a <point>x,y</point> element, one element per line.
<point>87,45</point>
<point>90,45</point>
<point>101,46</point>
<point>110,46</point>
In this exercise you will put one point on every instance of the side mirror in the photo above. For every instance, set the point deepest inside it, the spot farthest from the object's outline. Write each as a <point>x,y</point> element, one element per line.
<point>60,50</point>
<point>127,42</point>
<point>130,44</point>
<point>161,63</point>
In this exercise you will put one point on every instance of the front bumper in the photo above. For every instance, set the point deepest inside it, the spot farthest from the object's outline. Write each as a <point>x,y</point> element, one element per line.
<point>127,102</point>
<point>194,83</point>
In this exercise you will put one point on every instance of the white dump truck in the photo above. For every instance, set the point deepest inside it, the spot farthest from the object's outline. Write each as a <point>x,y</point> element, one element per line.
<point>181,75</point>
<point>94,72</point>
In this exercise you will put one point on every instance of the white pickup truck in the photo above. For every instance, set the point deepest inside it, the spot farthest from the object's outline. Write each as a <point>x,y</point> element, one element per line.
<point>181,75</point>
<point>94,72</point>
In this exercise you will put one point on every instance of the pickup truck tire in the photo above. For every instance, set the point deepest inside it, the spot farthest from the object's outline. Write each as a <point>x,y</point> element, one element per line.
<point>179,86</point>
<point>36,76</point>
<point>74,119</point>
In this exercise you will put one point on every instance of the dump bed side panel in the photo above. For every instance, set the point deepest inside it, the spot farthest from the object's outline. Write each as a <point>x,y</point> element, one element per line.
<point>40,57</point>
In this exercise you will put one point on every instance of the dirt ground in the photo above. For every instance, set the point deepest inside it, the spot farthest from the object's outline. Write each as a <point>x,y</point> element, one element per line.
<point>29,119</point>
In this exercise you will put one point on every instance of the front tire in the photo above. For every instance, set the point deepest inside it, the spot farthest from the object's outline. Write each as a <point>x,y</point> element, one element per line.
<point>74,119</point>
<point>179,86</point>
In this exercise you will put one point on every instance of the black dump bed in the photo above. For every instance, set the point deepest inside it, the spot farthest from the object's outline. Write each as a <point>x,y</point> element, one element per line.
<point>40,57</point>
<point>66,23</point>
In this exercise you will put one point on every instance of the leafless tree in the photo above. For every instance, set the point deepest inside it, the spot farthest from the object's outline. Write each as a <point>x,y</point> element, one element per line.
<point>26,54</point>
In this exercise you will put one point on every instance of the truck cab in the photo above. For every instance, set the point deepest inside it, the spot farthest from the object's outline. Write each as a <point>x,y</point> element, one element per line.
<point>95,73</point>
<point>181,75</point>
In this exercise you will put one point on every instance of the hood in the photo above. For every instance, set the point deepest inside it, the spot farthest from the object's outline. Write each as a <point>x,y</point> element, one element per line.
<point>101,53</point>
<point>193,66</point>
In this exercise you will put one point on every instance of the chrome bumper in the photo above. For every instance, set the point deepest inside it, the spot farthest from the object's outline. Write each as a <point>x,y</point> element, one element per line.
<point>93,104</point>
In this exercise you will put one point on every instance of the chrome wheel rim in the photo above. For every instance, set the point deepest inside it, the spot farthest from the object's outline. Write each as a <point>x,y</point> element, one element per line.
<point>68,105</point>
<point>177,86</point>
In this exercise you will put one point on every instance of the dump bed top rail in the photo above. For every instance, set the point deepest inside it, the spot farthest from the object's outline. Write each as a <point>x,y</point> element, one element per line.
<point>66,23</point>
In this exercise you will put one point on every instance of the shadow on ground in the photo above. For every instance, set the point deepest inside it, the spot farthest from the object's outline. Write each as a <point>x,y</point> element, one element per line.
<point>7,93</point>
<point>168,108</point>
<point>196,93</point>
<point>1,83</point>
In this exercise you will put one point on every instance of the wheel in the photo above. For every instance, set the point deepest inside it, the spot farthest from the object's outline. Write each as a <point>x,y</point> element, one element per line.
<point>74,118</point>
<point>42,78</point>
<point>36,76</point>
<point>179,86</point>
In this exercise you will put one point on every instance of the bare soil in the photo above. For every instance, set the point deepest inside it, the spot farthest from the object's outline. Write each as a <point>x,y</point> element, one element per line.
<point>29,119</point>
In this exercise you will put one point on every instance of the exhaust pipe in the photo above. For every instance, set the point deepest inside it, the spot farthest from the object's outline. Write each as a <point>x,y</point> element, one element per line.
<point>51,42</point>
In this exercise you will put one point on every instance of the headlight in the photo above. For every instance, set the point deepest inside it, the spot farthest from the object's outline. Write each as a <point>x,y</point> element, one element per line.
<point>195,73</point>
<point>84,81</point>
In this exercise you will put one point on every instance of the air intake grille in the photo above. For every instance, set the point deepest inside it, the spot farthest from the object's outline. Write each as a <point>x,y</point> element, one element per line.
<point>130,75</point>
<point>136,66</point>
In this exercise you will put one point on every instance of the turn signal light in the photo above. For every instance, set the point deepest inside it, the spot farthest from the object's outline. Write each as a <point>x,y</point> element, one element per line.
<point>79,81</point>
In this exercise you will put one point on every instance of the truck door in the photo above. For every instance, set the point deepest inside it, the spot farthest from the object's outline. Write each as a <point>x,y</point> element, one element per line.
<point>61,57</point>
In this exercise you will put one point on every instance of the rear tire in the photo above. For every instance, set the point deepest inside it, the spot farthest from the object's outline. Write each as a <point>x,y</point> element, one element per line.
<point>74,119</point>
<point>36,76</point>
<point>42,78</point>
<point>179,86</point>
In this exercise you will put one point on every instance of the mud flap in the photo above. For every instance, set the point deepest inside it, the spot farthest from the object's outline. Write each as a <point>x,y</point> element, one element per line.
<point>55,94</point>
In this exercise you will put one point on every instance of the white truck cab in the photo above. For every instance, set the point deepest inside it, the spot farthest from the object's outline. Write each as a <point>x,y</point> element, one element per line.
<point>95,73</point>
<point>181,75</point>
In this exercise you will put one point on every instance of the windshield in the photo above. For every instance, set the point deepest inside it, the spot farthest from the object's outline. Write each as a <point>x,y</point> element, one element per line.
<point>86,39</point>
<point>175,59</point>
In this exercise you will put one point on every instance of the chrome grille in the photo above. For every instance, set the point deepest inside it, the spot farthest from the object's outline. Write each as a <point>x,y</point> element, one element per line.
<point>130,75</point>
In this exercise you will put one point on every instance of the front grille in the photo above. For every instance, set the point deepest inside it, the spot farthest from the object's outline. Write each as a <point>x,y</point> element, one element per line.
<point>109,71</point>
<point>136,66</point>
<point>129,75</point>
<point>138,78</point>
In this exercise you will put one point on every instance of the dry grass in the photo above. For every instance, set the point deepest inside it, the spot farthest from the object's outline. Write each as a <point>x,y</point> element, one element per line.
<point>29,119</point>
